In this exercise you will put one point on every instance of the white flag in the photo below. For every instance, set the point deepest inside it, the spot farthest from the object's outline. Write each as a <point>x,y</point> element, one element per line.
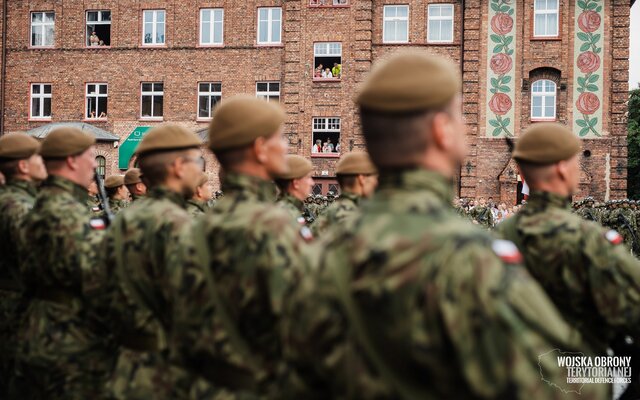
<point>525,188</point>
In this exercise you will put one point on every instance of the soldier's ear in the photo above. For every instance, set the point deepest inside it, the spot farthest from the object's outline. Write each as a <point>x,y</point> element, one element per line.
<point>23,167</point>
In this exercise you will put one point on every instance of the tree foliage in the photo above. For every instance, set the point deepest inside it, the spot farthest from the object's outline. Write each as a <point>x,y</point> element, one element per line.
<point>633,146</point>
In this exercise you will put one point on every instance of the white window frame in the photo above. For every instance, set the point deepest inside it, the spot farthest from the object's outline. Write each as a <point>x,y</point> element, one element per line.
<point>208,94</point>
<point>324,124</point>
<point>546,12</point>
<point>386,19</point>
<point>269,94</point>
<point>41,96</point>
<point>213,22</point>
<point>98,22</point>
<point>544,95</point>
<point>328,3</point>
<point>155,23</point>
<point>153,94</point>
<point>96,96</point>
<point>101,165</point>
<point>431,17</point>
<point>317,52</point>
<point>42,25</point>
<point>270,19</point>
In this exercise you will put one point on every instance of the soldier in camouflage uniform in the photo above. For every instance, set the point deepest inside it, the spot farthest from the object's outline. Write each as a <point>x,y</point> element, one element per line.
<point>587,210</point>
<point>414,302</point>
<point>622,219</point>
<point>358,179</point>
<point>590,276</point>
<point>136,253</point>
<point>294,186</point>
<point>64,350</point>
<point>605,218</point>
<point>117,193</point>
<point>93,203</point>
<point>134,184</point>
<point>24,169</point>
<point>230,288</point>
<point>482,215</point>
<point>198,204</point>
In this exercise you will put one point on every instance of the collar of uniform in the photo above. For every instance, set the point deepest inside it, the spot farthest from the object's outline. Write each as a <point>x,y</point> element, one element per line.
<point>161,193</point>
<point>417,179</point>
<point>350,196</point>
<point>26,186</point>
<point>135,197</point>
<point>249,185</point>
<point>200,204</point>
<point>540,199</point>
<point>79,192</point>
<point>297,203</point>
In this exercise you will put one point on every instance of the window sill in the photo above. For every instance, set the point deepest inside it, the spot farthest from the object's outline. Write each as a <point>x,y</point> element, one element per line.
<point>151,119</point>
<point>319,80</point>
<point>93,120</point>
<point>546,39</point>
<point>46,119</point>
<point>41,47</point>
<point>153,46</point>
<point>97,47</point>
<point>211,46</point>
<point>325,155</point>
<point>396,44</point>
<point>543,119</point>
<point>330,6</point>
<point>204,120</point>
<point>267,45</point>
<point>442,43</point>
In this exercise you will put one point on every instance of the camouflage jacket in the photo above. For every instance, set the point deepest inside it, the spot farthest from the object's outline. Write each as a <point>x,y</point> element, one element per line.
<point>58,248</point>
<point>588,213</point>
<point>239,264</point>
<point>415,302</point>
<point>15,202</point>
<point>482,215</point>
<point>136,197</point>
<point>624,221</point>
<point>341,210</point>
<point>591,277</point>
<point>93,204</point>
<point>117,205</point>
<point>196,208</point>
<point>135,256</point>
<point>296,208</point>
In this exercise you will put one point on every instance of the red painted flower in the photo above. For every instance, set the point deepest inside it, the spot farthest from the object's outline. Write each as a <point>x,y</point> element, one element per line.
<point>588,62</point>
<point>588,103</point>
<point>500,63</point>
<point>500,103</point>
<point>589,21</point>
<point>501,23</point>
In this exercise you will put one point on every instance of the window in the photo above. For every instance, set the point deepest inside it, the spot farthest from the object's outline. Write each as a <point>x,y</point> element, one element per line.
<point>102,166</point>
<point>98,28</point>
<point>42,29</point>
<point>396,24</point>
<point>440,23</point>
<point>328,3</point>
<point>545,22</point>
<point>326,137</point>
<point>268,90</point>
<point>269,25</point>
<point>152,100</point>
<point>317,189</point>
<point>97,94</point>
<point>40,101</point>
<point>327,60</point>
<point>543,99</point>
<point>211,26</point>
<point>154,24</point>
<point>209,94</point>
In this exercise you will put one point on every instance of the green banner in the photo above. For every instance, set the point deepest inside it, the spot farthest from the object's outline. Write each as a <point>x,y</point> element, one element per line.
<point>128,147</point>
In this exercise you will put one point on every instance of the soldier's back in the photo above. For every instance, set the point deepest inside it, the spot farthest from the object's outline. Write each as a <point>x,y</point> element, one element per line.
<point>342,210</point>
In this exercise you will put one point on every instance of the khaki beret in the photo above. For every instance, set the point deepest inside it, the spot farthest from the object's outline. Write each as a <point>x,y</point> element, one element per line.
<point>65,142</point>
<point>298,167</point>
<point>410,81</point>
<point>168,137</point>
<point>132,176</point>
<point>114,181</point>
<point>18,146</point>
<point>240,120</point>
<point>355,164</point>
<point>546,143</point>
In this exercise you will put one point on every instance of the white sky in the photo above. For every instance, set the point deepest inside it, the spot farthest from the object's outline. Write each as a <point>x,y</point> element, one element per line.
<point>634,47</point>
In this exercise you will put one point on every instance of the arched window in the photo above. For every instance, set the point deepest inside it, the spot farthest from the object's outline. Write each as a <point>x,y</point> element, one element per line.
<point>543,100</point>
<point>102,166</point>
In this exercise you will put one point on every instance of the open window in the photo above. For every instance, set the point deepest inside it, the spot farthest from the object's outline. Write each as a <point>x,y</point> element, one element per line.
<point>98,28</point>
<point>97,100</point>
<point>326,137</point>
<point>327,60</point>
<point>269,91</point>
<point>101,168</point>
<point>328,3</point>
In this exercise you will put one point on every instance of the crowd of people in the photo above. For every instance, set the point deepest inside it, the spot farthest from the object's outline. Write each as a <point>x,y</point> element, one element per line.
<point>485,212</point>
<point>328,73</point>
<point>385,293</point>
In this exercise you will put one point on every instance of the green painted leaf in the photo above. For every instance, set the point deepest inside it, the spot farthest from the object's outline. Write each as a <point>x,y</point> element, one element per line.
<point>583,131</point>
<point>592,6</point>
<point>508,40</point>
<point>510,52</point>
<point>597,50</point>
<point>497,131</point>
<point>506,79</point>
<point>581,81</point>
<point>593,122</point>
<point>581,123</point>
<point>585,47</point>
<point>595,38</point>
<point>494,123</point>
<point>504,89</point>
<point>583,36</point>
<point>496,38</point>
<point>495,7</point>
<point>582,4</point>
<point>506,122</point>
<point>498,48</point>
<point>504,8</point>
<point>493,91</point>
<point>594,78</point>
<point>599,9</point>
<point>580,90</point>
<point>511,11</point>
<point>494,82</point>
<point>592,87</point>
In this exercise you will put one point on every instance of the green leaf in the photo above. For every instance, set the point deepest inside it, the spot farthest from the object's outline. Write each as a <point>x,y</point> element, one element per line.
<point>580,90</point>
<point>496,38</point>
<point>510,52</point>
<point>598,50</point>
<point>504,89</point>
<point>583,131</point>
<point>582,4</point>
<point>506,79</point>
<point>493,91</point>
<point>494,123</point>
<point>511,11</point>
<point>593,122</point>
<point>504,8</point>
<point>585,47</point>
<point>506,122</point>
<point>494,82</point>
<point>498,48</point>
<point>594,78</point>
<point>583,36</point>
<point>497,131</point>
<point>581,81</point>
<point>595,38</point>
<point>495,7</point>
<point>592,6</point>
<point>592,87</point>
<point>599,9</point>
<point>581,123</point>
<point>508,40</point>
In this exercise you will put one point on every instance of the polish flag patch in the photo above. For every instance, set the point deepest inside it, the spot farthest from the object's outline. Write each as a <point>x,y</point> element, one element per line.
<point>507,251</point>
<point>614,237</point>
<point>306,233</point>
<point>97,224</point>
<point>302,221</point>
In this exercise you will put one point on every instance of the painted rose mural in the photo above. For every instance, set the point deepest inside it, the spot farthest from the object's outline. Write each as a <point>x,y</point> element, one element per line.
<point>588,50</point>
<point>501,71</point>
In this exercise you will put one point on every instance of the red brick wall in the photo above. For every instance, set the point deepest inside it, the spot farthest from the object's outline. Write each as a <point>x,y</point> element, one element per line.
<point>181,64</point>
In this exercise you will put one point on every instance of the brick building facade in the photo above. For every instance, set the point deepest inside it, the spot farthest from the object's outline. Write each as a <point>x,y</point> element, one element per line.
<point>167,61</point>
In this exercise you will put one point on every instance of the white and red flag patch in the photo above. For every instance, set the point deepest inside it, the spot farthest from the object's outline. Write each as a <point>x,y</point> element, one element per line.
<point>507,251</point>
<point>614,237</point>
